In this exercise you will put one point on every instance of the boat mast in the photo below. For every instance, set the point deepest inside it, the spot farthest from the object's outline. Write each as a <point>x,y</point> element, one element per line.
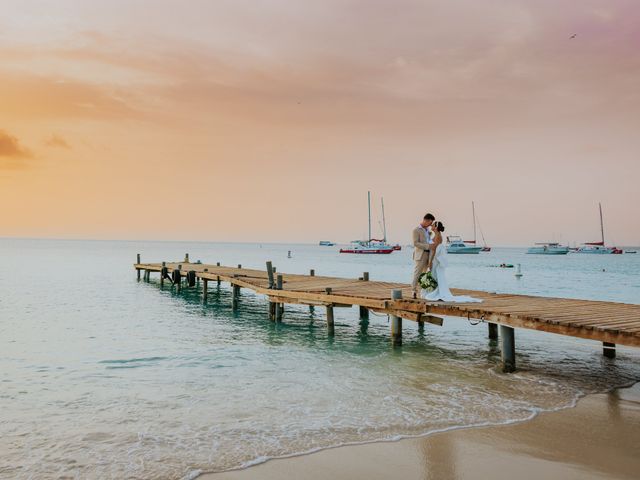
<point>384,222</point>
<point>369,207</point>
<point>601,223</point>
<point>473,209</point>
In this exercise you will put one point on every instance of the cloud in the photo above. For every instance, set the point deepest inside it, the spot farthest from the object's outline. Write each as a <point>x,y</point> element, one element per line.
<point>57,141</point>
<point>12,154</point>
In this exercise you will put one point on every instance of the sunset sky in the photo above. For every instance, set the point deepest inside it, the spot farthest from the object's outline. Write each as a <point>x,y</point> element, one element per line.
<point>269,120</point>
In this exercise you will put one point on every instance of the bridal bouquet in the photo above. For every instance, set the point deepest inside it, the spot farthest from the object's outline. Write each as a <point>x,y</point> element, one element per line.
<point>427,282</point>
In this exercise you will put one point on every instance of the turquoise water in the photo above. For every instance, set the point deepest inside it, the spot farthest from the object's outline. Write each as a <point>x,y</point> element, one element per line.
<point>102,376</point>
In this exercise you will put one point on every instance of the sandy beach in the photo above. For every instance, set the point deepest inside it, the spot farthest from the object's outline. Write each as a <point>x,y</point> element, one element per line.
<point>599,438</point>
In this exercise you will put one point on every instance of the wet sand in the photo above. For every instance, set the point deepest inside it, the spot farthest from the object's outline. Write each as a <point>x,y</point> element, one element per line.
<point>598,439</point>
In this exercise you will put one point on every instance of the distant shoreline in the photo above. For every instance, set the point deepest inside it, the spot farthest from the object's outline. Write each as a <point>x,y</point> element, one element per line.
<point>235,242</point>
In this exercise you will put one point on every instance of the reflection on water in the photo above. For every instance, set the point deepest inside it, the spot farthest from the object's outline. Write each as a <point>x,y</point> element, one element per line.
<point>104,376</point>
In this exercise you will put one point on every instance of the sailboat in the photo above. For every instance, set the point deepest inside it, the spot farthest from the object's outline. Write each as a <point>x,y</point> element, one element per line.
<point>485,248</point>
<point>372,245</point>
<point>598,247</point>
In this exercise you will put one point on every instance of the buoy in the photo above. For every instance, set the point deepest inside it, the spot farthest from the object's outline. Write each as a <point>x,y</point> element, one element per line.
<point>518,271</point>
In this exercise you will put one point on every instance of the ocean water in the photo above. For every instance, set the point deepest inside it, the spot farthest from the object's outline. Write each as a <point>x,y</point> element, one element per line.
<point>102,376</point>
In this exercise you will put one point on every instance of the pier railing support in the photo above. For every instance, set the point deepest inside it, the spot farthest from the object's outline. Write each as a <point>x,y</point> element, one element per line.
<point>508,349</point>
<point>138,263</point>
<point>205,288</point>
<point>272,283</point>
<point>609,349</point>
<point>493,331</point>
<point>396,322</point>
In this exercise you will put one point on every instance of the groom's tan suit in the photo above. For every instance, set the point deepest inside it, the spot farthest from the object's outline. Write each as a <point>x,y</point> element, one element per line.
<point>420,254</point>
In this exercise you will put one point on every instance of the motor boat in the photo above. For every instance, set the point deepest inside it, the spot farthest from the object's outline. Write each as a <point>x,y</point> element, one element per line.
<point>548,249</point>
<point>456,245</point>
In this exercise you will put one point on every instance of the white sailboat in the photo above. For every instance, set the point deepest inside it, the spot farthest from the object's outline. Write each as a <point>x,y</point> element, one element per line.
<point>598,248</point>
<point>484,248</point>
<point>372,245</point>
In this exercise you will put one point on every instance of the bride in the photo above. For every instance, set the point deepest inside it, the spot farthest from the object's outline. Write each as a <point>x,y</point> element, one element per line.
<point>438,267</point>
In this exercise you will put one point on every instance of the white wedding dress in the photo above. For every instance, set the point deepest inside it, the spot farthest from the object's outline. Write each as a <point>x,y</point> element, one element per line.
<point>439,272</point>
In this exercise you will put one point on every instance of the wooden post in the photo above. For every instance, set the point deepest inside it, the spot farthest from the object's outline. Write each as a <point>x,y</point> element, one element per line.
<point>396,322</point>
<point>364,311</point>
<point>205,288</point>
<point>330,320</point>
<point>239,266</point>
<point>176,278</point>
<point>609,349</point>
<point>508,349</point>
<point>235,293</point>
<point>312,273</point>
<point>163,273</point>
<point>217,265</point>
<point>493,331</point>
<point>272,284</point>
<point>138,263</point>
<point>279,306</point>
<point>270,274</point>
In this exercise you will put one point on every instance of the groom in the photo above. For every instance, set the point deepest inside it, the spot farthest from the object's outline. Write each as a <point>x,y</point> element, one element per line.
<point>422,246</point>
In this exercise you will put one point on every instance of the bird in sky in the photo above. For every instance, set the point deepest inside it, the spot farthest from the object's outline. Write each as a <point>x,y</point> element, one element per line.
<point>574,35</point>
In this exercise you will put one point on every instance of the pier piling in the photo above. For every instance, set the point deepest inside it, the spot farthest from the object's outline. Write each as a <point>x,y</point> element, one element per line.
<point>176,278</point>
<point>396,322</point>
<point>364,311</point>
<point>164,273</point>
<point>279,306</point>
<point>609,349</point>
<point>138,263</point>
<point>330,321</point>
<point>235,294</point>
<point>493,331</point>
<point>508,349</point>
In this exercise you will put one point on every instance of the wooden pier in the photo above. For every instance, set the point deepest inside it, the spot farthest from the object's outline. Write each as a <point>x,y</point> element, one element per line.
<point>607,322</point>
